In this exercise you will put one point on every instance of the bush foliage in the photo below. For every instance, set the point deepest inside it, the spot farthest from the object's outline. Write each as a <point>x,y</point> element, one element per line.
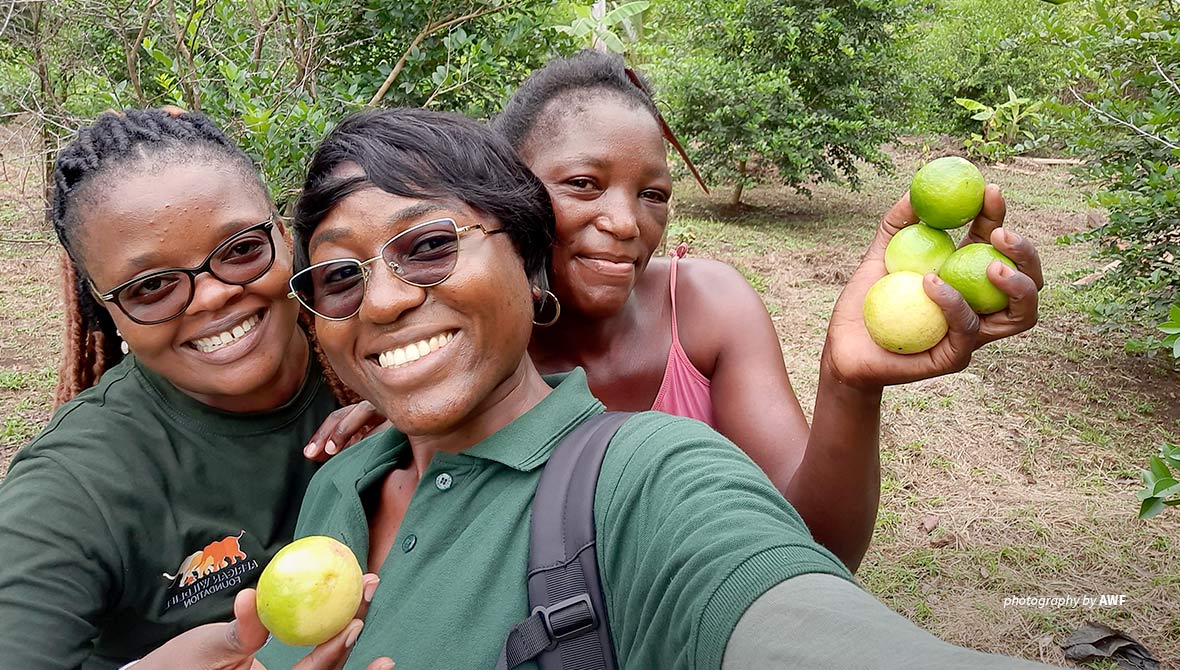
<point>771,90</point>
<point>1121,110</point>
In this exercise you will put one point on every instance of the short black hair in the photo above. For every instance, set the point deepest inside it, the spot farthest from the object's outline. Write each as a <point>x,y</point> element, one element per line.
<point>578,78</point>
<point>417,153</point>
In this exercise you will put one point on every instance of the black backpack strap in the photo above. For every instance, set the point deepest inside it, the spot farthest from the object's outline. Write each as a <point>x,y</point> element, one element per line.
<point>567,629</point>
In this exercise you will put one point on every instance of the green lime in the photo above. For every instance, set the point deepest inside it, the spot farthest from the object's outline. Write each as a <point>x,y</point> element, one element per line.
<point>918,248</point>
<point>309,591</point>
<point>947,192</point>
<point>900,316</point>
<point>966,272</point>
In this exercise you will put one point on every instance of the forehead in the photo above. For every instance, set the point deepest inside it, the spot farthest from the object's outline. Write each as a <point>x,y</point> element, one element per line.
<point>370,216</point>
<point>165,215</point>
<point>597,123</point>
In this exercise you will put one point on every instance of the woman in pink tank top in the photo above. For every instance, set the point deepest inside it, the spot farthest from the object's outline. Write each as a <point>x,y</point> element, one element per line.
<point>690,336</point>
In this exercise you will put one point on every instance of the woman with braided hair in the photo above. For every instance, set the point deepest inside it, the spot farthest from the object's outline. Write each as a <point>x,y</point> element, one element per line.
<point>174,467</point>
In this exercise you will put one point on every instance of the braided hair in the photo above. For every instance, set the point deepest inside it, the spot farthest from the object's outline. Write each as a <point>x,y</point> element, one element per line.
<point>114,145</point>
<point>580,80</point>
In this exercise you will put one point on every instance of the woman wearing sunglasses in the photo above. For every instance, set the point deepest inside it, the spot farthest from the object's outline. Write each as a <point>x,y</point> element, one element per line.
<point>175,467</point>
<point>691,337</point>
<point>424,234</point>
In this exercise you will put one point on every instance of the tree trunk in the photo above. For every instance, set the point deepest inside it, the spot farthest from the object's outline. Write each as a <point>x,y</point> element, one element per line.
<point>736,198</point>
<point>48,106</point>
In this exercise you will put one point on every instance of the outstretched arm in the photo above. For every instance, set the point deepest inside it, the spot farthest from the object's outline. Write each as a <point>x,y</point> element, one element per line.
<point>837,485</point>
<point>821,622</point>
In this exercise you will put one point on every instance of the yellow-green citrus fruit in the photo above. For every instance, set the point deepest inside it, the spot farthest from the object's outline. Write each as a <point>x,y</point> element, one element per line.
<point>966,272</point>
<point>310,591</point>
<point>900,316</point>
<point>947,192</point>
<point>918,248</point>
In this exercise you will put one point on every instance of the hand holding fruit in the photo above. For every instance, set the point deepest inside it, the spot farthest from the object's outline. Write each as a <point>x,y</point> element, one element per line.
<point>852,355</point>
<point>231,646</point>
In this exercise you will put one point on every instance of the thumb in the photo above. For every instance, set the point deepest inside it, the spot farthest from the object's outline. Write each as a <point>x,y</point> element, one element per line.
<point>953,353</point>
<point>370,583</point>
<point>246,634</point>
<point>899,216</point>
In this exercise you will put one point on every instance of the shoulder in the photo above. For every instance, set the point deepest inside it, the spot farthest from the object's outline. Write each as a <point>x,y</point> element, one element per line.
<point>655,453</point>
<point>710,287</point>
<point>690,532</point>
<point>90,430</point>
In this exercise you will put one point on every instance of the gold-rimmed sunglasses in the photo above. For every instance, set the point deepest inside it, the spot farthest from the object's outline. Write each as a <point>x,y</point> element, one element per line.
<point>423,255</point>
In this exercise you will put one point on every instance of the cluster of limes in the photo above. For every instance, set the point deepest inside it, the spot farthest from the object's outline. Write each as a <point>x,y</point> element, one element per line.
<point>946,193</point>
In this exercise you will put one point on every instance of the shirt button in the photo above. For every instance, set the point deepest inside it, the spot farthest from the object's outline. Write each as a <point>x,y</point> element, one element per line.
<point>409,542</point>
<point>444,481</point>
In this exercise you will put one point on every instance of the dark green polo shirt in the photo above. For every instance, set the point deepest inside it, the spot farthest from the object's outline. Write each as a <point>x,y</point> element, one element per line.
<point>690,533</point>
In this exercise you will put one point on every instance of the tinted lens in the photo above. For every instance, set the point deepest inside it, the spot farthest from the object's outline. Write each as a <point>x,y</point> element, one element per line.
<point>424,255</point>
<point>333,290</point>
<point>244,257</point>
<point>156,297</point>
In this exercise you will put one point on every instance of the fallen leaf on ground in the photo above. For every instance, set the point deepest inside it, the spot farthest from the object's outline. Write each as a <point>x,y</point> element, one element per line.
<point>928,524</point>
<point>944,540</point>
<point>1095,640</point>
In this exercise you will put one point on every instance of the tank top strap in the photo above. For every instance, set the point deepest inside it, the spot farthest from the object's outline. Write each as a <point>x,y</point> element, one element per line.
<point>676,254</point>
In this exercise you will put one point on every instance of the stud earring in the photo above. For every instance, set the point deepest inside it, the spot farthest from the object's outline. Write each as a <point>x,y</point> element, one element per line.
<point>123,344</point>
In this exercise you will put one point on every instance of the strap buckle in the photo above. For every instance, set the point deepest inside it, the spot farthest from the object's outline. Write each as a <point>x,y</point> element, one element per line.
<point>562,623</point>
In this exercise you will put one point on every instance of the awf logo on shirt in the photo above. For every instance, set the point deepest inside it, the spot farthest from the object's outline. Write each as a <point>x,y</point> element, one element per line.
<point>219,566</point>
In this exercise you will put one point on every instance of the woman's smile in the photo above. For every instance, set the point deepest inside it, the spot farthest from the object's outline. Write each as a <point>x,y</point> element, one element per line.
<point>414,351</point>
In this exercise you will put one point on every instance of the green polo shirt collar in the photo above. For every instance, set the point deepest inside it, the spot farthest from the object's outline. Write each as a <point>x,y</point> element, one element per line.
<point>527,443</point>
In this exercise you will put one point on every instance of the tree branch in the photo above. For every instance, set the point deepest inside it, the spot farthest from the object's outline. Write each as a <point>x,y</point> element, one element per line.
<point>132,53</point>
<point>1160,70</point>
<point>429,30</point>
<point>1121,122</point>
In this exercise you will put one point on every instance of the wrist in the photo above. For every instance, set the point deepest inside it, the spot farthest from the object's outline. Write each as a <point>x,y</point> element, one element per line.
<point>835,381</point>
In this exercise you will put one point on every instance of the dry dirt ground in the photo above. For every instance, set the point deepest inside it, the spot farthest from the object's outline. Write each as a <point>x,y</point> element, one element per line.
<point>1014,479</point>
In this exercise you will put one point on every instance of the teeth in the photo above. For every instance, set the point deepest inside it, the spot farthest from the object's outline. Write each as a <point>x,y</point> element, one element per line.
<point>412,352</point>
<point>215,342</point>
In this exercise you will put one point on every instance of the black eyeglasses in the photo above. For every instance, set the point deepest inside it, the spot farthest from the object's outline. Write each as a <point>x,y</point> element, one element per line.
<point>164,295</point>
<point>423,255</point>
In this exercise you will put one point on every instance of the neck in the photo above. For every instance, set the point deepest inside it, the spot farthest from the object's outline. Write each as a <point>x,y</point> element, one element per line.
<point>578,337</point>
<point>509,401</point>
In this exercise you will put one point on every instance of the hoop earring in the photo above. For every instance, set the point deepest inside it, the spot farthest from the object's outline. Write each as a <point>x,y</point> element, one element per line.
<point>539,307</point>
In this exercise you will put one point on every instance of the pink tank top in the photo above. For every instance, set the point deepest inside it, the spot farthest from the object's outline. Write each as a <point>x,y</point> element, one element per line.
<point>684,390</point>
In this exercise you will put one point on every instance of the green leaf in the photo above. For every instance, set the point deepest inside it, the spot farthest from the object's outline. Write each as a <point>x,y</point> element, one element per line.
<point>971,105</point>
<point>612,42</point>
<point>1174,314</point>
<point>624,12</point>
<point>1165,488</point>
<point>1159,469</point>
<point>1150,508</point>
